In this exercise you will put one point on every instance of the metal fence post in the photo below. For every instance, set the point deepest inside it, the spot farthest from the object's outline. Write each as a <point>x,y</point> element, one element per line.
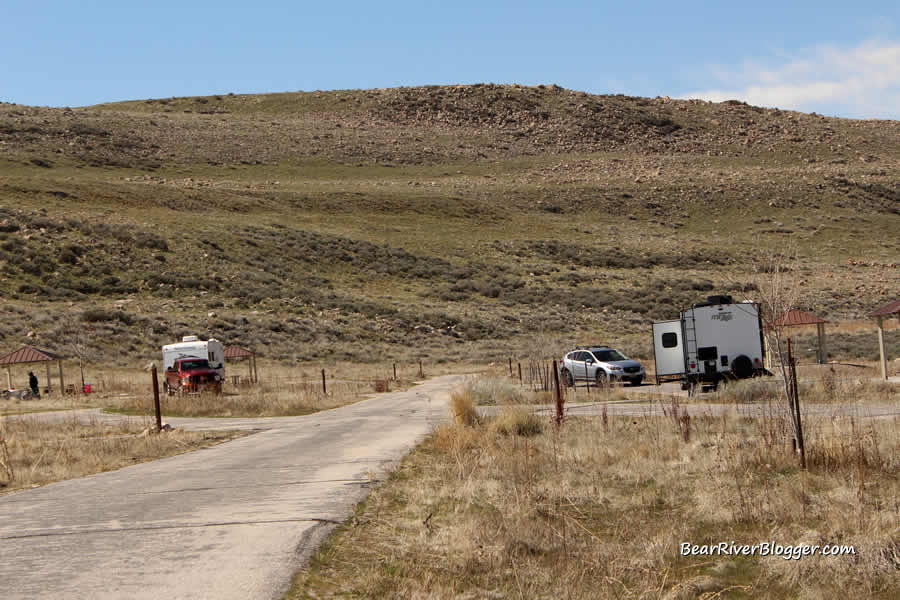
<point>156,399</point>
<point>559,400</point>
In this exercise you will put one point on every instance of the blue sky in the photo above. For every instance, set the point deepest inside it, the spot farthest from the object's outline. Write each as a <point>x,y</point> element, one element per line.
<point>835,58</point>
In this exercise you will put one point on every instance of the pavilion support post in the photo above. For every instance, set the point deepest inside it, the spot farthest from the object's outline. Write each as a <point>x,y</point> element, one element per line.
<point>881,348</point>
<point>49,387</point>
<point>62,384</point>
<point>8,379</point>
<point>255,371</point>
<point>250,369</point>
<point>823,351</point>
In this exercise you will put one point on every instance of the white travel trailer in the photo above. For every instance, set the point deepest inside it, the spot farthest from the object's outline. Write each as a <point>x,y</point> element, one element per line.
<point>710,341</point>
<point>192,347</point>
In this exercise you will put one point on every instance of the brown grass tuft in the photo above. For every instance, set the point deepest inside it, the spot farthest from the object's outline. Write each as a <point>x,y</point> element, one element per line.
<point>516,421</point>
<point>462,407</point>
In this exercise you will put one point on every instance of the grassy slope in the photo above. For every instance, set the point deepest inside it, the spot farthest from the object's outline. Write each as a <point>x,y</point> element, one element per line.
<point>444,222</point>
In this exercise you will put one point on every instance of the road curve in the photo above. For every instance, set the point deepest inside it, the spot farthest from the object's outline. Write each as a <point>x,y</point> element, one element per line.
<point>232,521</point>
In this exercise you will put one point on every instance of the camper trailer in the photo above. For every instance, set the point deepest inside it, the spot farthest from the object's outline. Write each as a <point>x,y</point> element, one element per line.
<point>193,365</point>
<point>711,341</point>
<point>192,347</point>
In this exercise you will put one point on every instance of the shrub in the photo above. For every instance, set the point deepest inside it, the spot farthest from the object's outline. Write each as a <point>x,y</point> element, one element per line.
<point>27,288</point>
<point>145,239</point>
<point>100,315</point>
<point>32,268</point>
<point>69,254</point>
<point>85,286</point>
<point>517,421</point>
<point>490,391</point>
<point>750,390</point>
<point>462,407</point>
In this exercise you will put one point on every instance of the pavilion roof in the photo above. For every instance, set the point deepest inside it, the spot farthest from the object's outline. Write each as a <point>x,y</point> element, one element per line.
<point>238,352</point>
<point>28,354</point>
<point>797,317</point>
<point>891,308</point>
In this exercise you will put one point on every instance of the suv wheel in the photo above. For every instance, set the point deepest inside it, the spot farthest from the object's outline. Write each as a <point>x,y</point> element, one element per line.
<point>567,378</point>
<point>602,377</point>
<point>637,381</point>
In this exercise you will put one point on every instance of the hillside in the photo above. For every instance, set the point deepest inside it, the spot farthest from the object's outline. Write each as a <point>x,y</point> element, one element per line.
<point>441,223</point>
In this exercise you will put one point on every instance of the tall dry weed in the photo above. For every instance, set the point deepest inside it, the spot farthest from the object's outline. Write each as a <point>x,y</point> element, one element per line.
<point>488,391</point>
<point>462,407</point>
<point>514,420</point>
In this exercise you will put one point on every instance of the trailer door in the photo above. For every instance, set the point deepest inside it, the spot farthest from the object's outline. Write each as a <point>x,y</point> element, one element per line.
<point>668,348</point>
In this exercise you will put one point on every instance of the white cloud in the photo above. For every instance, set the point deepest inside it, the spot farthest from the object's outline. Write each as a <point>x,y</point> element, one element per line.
<point>861,81</point>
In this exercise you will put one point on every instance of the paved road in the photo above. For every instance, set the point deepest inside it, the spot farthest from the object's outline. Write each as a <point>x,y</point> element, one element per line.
<point>232,521</point>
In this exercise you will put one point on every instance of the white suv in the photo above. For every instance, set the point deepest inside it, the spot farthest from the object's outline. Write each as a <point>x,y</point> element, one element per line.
<point>600,364</point>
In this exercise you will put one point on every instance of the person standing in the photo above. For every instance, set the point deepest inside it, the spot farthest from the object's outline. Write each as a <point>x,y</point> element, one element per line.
<point>33,384</point>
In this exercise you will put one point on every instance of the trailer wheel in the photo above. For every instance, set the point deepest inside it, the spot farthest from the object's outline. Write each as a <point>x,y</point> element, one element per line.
<point>741,367</point>
<point>567,378</point>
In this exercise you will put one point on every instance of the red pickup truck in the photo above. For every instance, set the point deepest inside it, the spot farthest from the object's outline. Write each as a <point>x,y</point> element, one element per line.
<point>192,374</point>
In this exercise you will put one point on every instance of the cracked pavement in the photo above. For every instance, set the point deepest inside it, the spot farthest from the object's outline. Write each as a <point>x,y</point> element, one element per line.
<point>232,521</point>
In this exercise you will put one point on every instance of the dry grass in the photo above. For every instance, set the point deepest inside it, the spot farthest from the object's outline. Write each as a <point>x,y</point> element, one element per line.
<point>272,397</point>
<point>282,391</point>
<point>42,452</point>
<point>599,510</point>
<point>497,389</point>
<point>515,420</point>
<point>823,387</point>
<point>462,407</point>
<point>15,406</point>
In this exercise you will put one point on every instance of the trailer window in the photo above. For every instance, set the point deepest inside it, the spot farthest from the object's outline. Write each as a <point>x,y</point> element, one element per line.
<point>708,353</point>
<point>669,340</point>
